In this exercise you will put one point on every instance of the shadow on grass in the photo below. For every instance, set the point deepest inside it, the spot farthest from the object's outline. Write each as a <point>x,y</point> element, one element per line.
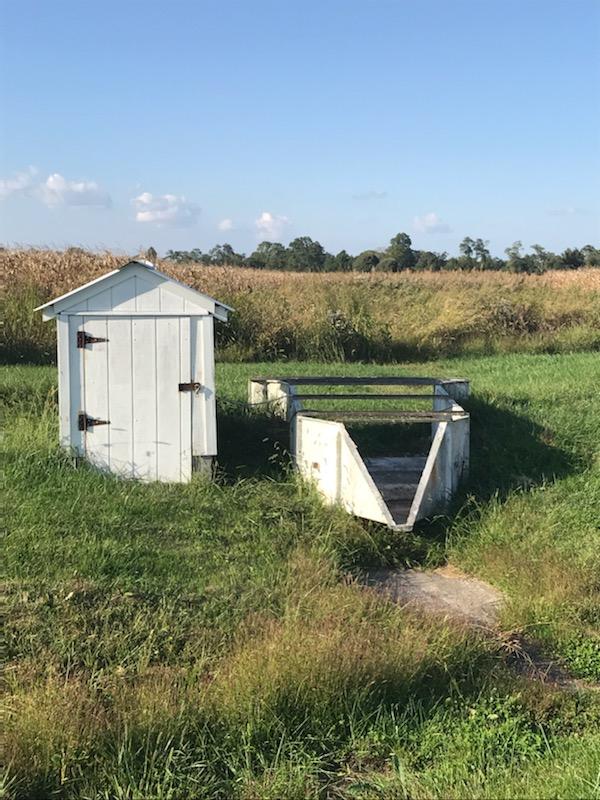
<point>509,452</point>
<point>251,443</point>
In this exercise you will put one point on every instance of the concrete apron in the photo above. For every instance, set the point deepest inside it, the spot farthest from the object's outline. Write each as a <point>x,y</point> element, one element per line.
<point>443,591</point>
<point>448,593</point>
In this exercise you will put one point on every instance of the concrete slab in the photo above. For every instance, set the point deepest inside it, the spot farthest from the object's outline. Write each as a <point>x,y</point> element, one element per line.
<point>444,591</point>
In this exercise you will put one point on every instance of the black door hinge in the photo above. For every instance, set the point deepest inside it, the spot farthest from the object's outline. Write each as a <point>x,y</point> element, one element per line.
<point>192,386</point>
<point>84,338</point>
<point>84,423</point>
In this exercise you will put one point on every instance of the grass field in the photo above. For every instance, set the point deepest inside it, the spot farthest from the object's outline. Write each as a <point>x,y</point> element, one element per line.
<point>210,641</point>
<point>331,316</point>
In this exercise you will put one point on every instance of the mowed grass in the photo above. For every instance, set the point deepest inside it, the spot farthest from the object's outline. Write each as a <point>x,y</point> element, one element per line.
<point>210,640</point>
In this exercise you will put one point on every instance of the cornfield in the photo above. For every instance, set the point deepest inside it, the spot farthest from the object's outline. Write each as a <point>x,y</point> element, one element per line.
<point>331,316</point>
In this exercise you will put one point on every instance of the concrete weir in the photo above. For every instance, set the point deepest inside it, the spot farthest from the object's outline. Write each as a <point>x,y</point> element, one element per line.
<point>396,489</point>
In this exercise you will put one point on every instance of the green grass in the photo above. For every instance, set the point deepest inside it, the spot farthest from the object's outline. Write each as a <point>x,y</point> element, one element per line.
<point>207,640</point>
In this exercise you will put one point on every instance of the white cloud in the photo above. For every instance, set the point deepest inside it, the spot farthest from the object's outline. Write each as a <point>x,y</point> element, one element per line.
<point>19,183</point>
<point>430,223</point>
<point>165,209</point>
<point>270,226</point>
<point>225,224</point>
<point>57,190</point>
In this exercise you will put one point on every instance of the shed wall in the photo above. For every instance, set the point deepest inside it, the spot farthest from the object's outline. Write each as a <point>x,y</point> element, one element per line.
<point>135,376</point>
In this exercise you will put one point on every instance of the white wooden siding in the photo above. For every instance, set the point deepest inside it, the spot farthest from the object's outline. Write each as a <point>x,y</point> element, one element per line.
<point>137,291</point>
<point>204,410</point>
<point>120,369</point>
<point>185,399</point>
<point>132,380</point>
<point>96,390</point>
<point>73,387</point>
<point>64,403</point>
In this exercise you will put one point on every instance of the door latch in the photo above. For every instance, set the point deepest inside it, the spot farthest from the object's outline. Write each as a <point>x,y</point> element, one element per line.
<point>192,386</point>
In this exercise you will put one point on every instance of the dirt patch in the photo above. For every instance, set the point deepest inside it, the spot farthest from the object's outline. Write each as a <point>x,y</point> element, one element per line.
<point>444,591</point>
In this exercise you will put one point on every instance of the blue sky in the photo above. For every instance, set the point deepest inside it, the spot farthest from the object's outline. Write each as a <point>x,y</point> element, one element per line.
<point>181,124</point>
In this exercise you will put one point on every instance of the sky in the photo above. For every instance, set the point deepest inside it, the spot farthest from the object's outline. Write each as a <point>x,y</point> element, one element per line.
<point>180,124</point>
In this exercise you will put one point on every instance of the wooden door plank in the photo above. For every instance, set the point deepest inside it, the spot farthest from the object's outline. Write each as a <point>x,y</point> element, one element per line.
<point>96,401</point>
<point>120,370</point>
<point>144,398</point>
<point>203,404</point>
<point>185,400</point>
<point>76,386</point>
<point>168,430</point>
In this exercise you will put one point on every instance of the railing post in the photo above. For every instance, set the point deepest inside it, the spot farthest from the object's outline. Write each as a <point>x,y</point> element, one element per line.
<point>458,388</point>
<point>257,391</point>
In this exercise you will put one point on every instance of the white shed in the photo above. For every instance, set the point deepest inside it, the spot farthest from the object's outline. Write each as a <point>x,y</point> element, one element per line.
<point>136,373</point>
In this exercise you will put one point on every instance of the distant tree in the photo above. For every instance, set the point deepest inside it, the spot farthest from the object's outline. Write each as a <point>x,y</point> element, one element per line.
<point>151,255</point>
<point>305,255</point>
<point>224,255</point>
<point>544,259</point>
<point>343,261</point>
<point>400,249</point>
<point>386,264</point>
<point>256,261</point>
<point>482,254</point>
<point>591,255</point>
<point>474,254</point>
<point>540,254</point>
<point>366,261</point>
<point>427,259</point>
<point>329,264</point>
<point>466,247</point>
<point>519,262</point>
<point>268,255</point>
<point>514,257</point>
<point>175,255</point>
<point>181,256</point>
<point>572,259</point>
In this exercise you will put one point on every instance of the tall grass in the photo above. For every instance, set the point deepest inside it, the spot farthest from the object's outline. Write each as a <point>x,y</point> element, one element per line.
<point>332,317</point>
<point>210,640</point>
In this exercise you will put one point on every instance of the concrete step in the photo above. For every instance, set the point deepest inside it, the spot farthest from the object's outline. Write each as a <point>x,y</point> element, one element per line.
<point>397,491</point>
<point>397,478</point>
<point>396,463</point>
<point>392,477</point>
<point>399,509</point>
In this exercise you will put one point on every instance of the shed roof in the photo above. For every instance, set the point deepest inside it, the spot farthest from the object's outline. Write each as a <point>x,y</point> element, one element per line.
<point>78,299</point>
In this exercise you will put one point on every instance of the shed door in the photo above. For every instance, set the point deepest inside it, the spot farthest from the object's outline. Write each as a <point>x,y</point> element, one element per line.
<point>136,421</point>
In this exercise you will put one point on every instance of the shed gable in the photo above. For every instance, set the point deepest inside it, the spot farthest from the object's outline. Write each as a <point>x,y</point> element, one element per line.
<point>138,290</point>
<point>135,288</point>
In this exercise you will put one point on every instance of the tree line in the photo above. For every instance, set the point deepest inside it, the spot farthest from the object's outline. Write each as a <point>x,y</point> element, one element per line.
<point>306,255</point>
